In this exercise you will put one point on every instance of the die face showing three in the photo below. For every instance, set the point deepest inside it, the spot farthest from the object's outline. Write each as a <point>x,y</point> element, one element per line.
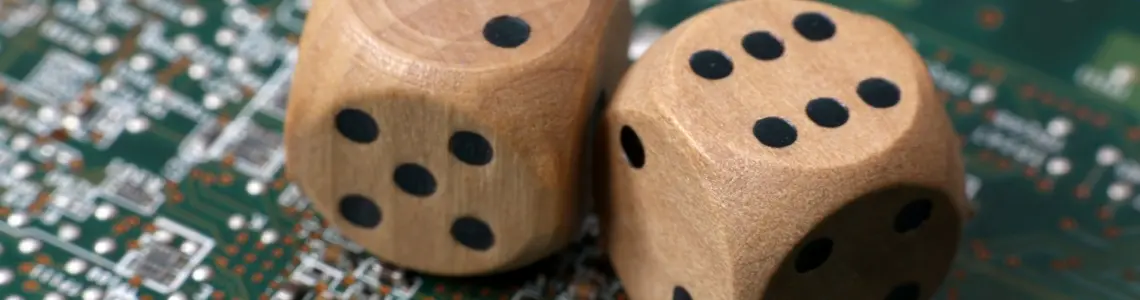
<point>773,148</point>
<point>446,139</point>
<point>894,243</point>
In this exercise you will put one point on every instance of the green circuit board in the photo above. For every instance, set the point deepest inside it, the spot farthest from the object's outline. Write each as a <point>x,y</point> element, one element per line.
<point>140,154</point>
<point>1044,92</point>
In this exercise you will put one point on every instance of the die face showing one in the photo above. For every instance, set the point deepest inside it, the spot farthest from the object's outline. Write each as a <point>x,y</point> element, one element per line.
<point>449,142</point>
<point>769,149</point>
<point>451,34</point>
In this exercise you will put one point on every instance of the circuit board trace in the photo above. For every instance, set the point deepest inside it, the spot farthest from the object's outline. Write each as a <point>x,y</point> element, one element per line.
<point>141,156</point>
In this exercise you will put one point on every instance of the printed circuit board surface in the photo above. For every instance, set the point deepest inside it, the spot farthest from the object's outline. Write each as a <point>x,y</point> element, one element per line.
<point>141,158</point>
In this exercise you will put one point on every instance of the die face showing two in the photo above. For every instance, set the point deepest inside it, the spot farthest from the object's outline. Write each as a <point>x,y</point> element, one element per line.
<point>785,150</point>
<point>445,136</point>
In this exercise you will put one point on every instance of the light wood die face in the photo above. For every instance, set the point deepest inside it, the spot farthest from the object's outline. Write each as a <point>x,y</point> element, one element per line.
<point>759,136</point>
<point>446,136</point>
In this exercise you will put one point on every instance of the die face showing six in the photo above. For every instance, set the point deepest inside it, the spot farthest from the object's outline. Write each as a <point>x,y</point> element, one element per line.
<point>769,148</point>
<point>449,142</point>
<point>803,76</point>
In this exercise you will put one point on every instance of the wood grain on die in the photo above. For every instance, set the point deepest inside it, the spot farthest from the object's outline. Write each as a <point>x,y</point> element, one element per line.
<point>446,136</point>
<point>756,128</point>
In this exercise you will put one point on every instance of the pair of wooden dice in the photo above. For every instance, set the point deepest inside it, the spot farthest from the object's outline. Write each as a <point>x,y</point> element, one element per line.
<point>775,149</point>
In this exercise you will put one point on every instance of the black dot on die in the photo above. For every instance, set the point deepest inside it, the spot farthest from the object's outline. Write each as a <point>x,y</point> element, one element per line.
<point>879,92</point>
<point>774,132</point>
<point>506,31</point>
<point>679,293</point>
<point>912,215</point>
<point>763,45</point>
<point>827,112</point>
<point>473,233</point>
<point>813,254</point>
<point>814,26</point>
<point>710,64</point>
<point>471,148</point>
<point>415,180</point>
<point>360,211</point>
<point>632,148</point>
<point>357,125</point>
<point>905,291</point>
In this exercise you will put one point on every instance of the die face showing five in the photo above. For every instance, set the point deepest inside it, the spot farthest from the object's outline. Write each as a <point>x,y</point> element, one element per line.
<point>448,143</point>
<point>763,148</point>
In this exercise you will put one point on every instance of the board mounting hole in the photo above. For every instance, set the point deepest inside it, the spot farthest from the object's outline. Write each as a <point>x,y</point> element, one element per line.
<point>356,125</point>
<point>879,92</point>
<point>415,180</point>
<point>710,64</point>
<point>814,26</point>
<point>632,148</point>
<point>679,293</point>
<point>813,255</point>
<point>827,112</point>
<point>912,215</point>
<point>471,148</point>
<point>473,233</point>
<point>905,291</point>
<point>360,211</point>
<point>774,132</point>
<point>506,31</point>
<point>763,45</point>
